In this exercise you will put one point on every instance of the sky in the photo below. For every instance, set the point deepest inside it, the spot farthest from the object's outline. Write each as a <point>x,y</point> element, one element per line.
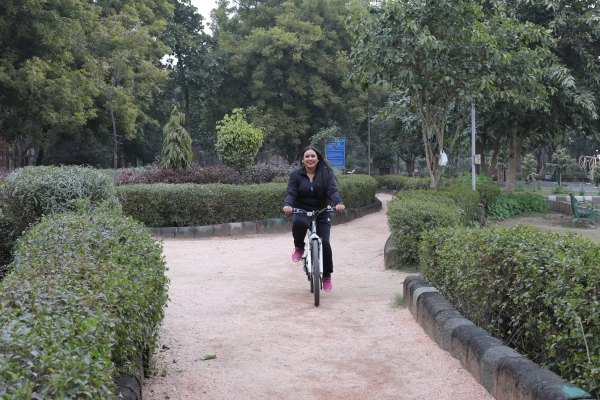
<point>204,7</point>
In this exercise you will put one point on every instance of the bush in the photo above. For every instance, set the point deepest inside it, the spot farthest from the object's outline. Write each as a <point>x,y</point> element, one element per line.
<point>411,213</point>
<point>537,291</point>
<point>31,192</point>
<point>507,206</point>
<point>357,190</point>
<point>488,192</point>
<point>466,198</point>
<point>160,205</point>
<point>85,293</point>
<point>258,173</point>
<point>3,174</point>
<point>401,182</point>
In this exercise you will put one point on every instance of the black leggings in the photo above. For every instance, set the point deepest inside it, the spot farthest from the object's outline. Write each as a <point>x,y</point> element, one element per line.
<point>302,223</point>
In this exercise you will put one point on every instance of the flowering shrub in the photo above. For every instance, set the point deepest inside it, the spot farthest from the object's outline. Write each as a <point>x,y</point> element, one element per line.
<point>259,173</point>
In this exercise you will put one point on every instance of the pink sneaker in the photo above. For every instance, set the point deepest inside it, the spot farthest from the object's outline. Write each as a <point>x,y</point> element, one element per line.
<point>297,254</point>
<point>327,286</point>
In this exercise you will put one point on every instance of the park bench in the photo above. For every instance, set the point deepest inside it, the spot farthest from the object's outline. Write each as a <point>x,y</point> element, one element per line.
<point>584,211</point>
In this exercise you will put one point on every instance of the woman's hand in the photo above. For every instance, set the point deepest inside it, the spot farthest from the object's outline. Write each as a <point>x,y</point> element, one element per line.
<point>287,209</point>
<point>340,207</point>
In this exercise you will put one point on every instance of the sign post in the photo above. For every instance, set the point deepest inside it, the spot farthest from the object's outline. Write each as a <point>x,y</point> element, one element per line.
<point>335,153</point>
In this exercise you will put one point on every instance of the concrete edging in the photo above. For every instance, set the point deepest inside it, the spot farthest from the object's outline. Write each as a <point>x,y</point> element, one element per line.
<point>275,225</point>
<point>503,372</point>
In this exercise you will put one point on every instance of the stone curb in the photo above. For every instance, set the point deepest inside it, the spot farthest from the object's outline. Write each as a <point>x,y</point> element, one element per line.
<point>390,253</point>
<point>275,225</point>
<point>503,372</point>
<point>129,387</point>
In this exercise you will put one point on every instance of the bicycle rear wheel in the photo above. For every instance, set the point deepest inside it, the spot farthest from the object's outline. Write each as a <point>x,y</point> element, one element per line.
<point>316,275</point>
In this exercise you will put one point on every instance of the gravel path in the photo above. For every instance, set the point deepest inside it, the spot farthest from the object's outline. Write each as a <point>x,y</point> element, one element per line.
<point>244,300</point>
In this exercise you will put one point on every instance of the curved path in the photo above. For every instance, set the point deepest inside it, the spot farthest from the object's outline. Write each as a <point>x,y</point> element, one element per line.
<point>244,300</point>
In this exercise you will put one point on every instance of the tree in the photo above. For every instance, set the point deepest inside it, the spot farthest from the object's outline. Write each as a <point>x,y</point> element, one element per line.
<point>238,142</point>
<point>562,162</point>
<point>177,146</point>
<point>193,59</point>
<point>287,65</point>
<point>444,54</point>
<point>529,165</point>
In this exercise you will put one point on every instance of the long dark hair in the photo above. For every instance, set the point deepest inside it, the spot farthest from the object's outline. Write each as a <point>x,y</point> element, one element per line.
<point>322,172</point>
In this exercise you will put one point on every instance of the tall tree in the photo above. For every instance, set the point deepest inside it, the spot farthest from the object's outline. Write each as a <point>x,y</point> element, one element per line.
<point>286,65</point>
<point>193,59</point>
<point>445,53</point>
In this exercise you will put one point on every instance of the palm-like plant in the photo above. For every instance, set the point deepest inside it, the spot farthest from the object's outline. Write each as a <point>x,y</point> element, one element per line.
<point>177,145</point>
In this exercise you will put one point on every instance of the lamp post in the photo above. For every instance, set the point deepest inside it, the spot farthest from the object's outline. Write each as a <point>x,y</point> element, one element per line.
<point>473,180</point>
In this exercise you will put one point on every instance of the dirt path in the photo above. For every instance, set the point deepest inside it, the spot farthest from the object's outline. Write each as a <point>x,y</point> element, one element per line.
<point>243,299</point>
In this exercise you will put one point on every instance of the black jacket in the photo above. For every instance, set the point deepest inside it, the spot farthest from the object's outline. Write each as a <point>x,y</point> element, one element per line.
<point>299,192</point>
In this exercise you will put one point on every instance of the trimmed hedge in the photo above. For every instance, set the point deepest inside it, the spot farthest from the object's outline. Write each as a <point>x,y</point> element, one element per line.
<point>85,293</point>
<point>401,182</point>
<point>411,213</point>
<point>465,197</point>
<point>160,205</point>
<point>31,192</point>
<point>537,291</point>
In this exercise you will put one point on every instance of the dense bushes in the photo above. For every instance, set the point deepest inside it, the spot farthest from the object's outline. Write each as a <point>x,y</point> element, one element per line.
<point>258,173</point>
<point>507,206</point>
<point>31,192</point>
<point>537,291</point>
<point>401,182</point>
<point>85,292</point>
<point>464,197</point>
<point>195,205</point>
<point>411,213</point>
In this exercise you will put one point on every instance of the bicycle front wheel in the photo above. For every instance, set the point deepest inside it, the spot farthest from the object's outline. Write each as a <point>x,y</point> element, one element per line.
<point>316,275</point>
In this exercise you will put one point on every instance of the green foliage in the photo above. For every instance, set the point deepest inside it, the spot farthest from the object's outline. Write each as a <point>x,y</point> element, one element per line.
<point>401,182</point>
<point>238,141</point>
<point>466,198</point>
<point>356,190</point>
<point>411,213</point>
<point>560,189</point>
<point>177,146</point>
<point>581,190</point>
<point>30,193</point>
<point>488,192</point>
<point>529,165</point>
<point>160,205</point>
<point>507,206</point>
<point>537,291</point>
<point>86,291</point>
<point>562,162</point>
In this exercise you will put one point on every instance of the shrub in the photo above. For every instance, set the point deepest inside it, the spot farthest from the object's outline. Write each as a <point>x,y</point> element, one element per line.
<point>258,173</point>
<point>411,213</point>
<point>177,144</point>
<point>401,182</point>
<point>537,291</point>
<point>238,142</point>
<point>357,190</point>
<point>85,293</point>
<point>466,198</point>
<point>507,206</point>
<point>31,192</point>
<point>161,205</point>
<point>3,174</point>
<point>488,192</point>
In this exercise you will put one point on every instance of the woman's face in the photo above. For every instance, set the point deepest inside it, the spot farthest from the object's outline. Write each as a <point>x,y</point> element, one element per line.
<point>310,159</point>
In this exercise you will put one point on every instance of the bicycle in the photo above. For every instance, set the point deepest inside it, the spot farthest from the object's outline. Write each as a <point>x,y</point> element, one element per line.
<point>313,253</point>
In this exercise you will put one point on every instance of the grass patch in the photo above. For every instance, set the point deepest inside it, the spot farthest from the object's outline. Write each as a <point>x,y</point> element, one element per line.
<point>398,301</point>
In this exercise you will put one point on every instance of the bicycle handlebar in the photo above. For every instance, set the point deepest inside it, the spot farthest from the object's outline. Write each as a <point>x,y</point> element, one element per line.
<point>313,213</point>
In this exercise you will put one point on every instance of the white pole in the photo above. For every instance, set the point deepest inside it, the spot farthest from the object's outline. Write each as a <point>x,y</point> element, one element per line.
<point>473,180</point>
<point>369,139</point>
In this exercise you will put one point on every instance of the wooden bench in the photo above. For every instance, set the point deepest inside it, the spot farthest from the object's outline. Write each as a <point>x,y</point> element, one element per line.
<point>584,211</point>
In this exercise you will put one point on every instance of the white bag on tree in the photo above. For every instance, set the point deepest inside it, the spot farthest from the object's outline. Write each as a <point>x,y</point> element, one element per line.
<point>443,158</point>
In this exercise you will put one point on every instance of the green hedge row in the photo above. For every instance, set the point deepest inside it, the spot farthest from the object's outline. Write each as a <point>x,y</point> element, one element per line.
<point>401,182</point>
<point>31,192</point>
<point>85,291</point>
<point>161,205</point>
<point>537,291</point>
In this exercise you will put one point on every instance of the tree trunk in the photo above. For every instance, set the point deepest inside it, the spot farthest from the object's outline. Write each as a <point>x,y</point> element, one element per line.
<point>512,158</point>
<point>40,157</point>
<point>495,157</point>
<point>188,118</point>
<point>115,138</point>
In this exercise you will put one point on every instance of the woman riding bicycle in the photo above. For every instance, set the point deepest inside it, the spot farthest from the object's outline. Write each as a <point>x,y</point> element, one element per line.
<point>309,188</point>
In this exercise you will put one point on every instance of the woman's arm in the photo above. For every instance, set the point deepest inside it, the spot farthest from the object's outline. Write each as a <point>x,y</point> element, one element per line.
<point>333,194</point>
<point>291,192</point>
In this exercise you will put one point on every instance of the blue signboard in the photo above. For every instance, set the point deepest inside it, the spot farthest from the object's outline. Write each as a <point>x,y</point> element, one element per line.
<point>335,153</point>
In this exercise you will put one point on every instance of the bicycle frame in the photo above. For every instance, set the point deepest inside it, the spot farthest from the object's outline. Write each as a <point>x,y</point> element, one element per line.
<point>310,236</point>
